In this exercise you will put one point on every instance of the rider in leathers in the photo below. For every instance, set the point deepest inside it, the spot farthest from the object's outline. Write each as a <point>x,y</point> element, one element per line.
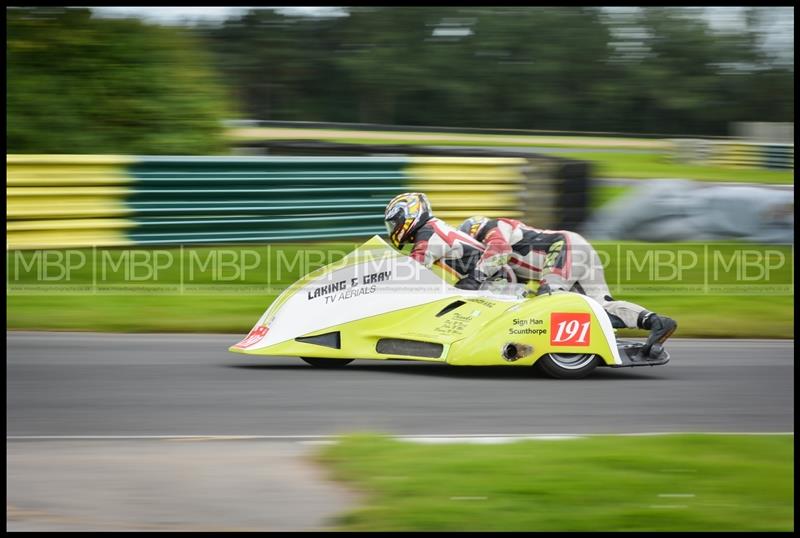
<point>409,219</point>
<point>564,261</point>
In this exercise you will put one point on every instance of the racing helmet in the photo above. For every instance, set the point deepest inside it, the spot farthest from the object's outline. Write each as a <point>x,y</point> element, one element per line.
<point>473,225</point>
<point>405,214</point>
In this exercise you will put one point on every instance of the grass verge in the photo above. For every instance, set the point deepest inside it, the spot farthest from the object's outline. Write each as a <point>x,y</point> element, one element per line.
<point>194,291</point>
<point>660,165</point>
<point>658,483</point>
<point>601,195</point>
<point>698,317</point>
<point>443,139</point>
<point>641,164</point>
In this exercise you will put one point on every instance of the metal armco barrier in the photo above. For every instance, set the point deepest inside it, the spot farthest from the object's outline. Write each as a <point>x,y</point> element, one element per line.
<point>735,154</point>
<point>80,200</point>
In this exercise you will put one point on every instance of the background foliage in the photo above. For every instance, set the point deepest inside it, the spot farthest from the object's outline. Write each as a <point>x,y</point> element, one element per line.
<point>82,84</point>
<point>656,70</point>
<point>77,84</point>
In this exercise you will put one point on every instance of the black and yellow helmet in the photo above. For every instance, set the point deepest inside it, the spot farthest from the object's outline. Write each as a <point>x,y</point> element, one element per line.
<point>473,225</point>
<point>406,214</point>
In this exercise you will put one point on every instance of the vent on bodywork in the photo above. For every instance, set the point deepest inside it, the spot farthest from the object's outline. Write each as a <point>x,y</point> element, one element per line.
<point>449,308</point>
<point>328,340</point>
<point>414,348</point>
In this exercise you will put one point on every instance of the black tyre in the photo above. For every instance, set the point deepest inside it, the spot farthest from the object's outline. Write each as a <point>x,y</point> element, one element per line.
<point>326,363</point>
<point>567,365</point>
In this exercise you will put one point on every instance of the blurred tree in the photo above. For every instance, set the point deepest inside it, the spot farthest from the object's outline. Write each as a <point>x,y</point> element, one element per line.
<point>382,56</point>
<point>654,70</point>
<point>545,67</point>
<point>678,75</point>
<point>77,83</point>
<point>83,85</point>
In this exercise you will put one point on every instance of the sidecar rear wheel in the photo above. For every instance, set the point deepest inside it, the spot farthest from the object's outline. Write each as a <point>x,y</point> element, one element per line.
<point>326,363</point>
<point>567,365</point>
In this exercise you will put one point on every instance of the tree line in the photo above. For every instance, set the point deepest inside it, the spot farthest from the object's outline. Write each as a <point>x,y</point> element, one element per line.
<point>78,84</point>
<point>645,70</point>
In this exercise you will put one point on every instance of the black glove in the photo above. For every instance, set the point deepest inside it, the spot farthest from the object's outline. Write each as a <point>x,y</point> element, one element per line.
<point>468,283</point>
<point>544,288</point>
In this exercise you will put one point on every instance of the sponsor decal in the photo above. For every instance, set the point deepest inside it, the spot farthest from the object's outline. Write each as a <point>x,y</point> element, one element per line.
<point>482,302</point>
<point>347,288</point>
<point>454,324</point>
<point>570,329</point>
<point>254,337</point>
<point>527,326</point>
<point>327,289</point>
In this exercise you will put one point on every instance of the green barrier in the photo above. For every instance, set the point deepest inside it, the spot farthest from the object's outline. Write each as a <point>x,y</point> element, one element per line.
<point>779,156</point>
<point>261,199</point>
<point>84,200</point>
<point>735,154</point>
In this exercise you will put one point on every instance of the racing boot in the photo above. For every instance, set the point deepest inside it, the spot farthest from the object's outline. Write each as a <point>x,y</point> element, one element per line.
<point>660,327</point>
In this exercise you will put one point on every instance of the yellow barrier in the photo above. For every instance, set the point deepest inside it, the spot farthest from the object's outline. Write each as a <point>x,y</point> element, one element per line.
<point>68,233</point>
<point>80,200</point>
<point>737,155</point>
<point>79,170</point>
<point>66,200</point>
<point>459,187</point>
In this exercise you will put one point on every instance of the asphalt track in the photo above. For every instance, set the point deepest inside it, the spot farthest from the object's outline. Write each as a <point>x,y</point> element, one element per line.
<point>83,384</point>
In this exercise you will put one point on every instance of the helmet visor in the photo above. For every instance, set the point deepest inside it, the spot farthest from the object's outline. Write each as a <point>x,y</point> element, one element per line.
<point>389,227</point>
<point>393,228</point>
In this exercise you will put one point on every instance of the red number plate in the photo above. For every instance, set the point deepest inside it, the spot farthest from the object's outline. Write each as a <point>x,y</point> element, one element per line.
<point>570,329</point>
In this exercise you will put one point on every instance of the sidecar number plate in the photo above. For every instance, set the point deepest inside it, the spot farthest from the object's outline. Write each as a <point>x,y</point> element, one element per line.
<point>570,329</point>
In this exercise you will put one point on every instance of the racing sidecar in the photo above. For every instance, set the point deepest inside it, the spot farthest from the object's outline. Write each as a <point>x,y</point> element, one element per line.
<point>377,303</point>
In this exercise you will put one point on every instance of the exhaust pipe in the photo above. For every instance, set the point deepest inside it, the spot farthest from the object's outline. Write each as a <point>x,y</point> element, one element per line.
<point>513,351</point>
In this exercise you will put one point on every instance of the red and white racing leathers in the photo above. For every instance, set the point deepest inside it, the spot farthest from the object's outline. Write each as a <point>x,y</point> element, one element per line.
<point>563,260</point>
<point>438,241</point>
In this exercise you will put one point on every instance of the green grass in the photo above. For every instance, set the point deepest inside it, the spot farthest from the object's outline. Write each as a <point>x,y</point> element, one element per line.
<point>737,483</point>
<point>702,316</point>
<point>601,195</point>
<point>720,317</point>
<point>731,306</point>
<point>656,163</point>
<point>444,138</point>
<point>660,165</point>
<point>638,165</point>
<point>137,313</point>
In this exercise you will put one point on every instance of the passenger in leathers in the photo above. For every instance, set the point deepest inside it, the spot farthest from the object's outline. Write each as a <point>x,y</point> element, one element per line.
<point>561,260</point>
